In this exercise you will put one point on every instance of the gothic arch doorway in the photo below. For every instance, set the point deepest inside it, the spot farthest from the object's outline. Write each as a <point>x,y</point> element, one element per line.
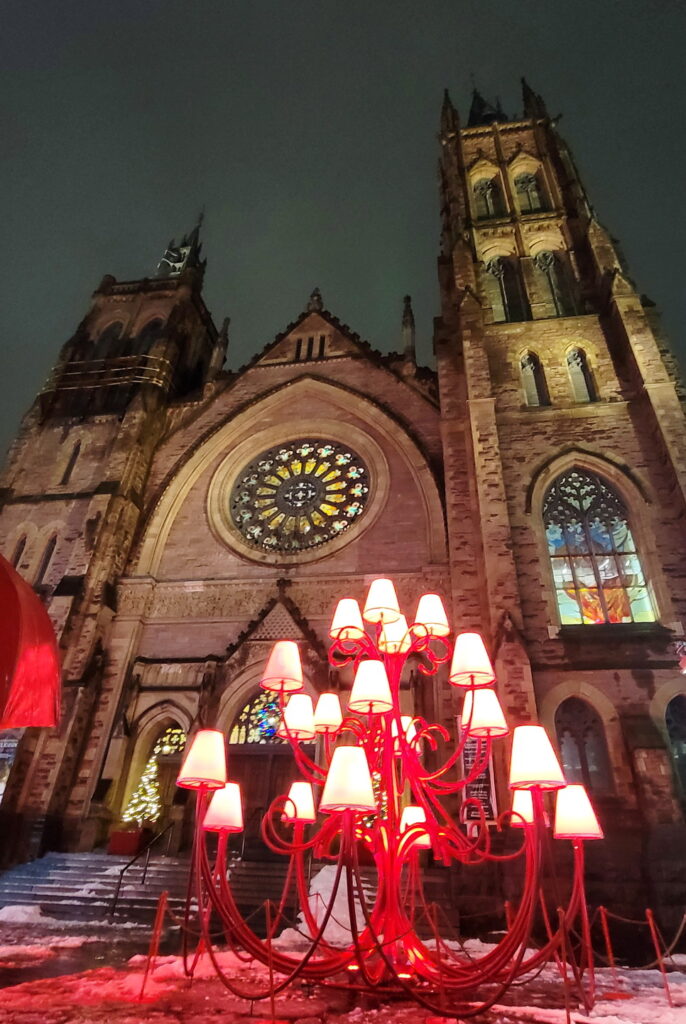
<point>154,793</point>
<point>261,763</point>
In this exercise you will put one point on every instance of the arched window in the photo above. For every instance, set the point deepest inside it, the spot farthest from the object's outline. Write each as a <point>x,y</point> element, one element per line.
<point>583,748</point>
<point>505,291</point>
<point>596,567</point>
<point>488,199</point>
<point>18,551</point>
<point>258,721</point>
<point>557,286</point>
<point>528,192</point>
<point>583,387</point>
<point>146,801</point>
<point>108,343</point>
<point>533,380</point>
<point>148,336</point>
<point>44,563</point>
<point>69,468</point>
<point>675,719</point>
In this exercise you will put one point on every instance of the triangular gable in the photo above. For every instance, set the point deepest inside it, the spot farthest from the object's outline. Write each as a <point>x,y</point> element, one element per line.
<point>279,619</point>
<point>316,335</point>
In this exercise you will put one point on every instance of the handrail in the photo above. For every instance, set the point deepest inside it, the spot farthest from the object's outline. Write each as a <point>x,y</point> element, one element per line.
<point>145,850</point>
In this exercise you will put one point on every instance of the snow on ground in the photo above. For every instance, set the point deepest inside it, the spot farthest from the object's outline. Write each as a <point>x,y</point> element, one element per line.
<point>111,996</point>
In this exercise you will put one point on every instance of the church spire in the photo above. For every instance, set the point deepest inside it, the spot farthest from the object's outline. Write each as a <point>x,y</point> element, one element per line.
<point>534,106</point>
<point>482,111</point>
<point>450,121</point>
<point>408,330</point>
<point>185,255</point>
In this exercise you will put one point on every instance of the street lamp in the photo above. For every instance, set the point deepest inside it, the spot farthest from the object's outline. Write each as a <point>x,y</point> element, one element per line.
<point>384,800</point>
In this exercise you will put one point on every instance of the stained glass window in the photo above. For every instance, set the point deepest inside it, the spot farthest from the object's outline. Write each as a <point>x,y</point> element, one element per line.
<point>596,568</point>
<point>583,749</point>
<point>258,721</point>
<point>300,495</point>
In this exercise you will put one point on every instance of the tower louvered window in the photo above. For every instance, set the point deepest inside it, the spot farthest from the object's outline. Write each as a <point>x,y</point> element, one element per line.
<point>528,192</point>
<point>596,567</point>
<point>533,381</point>
<point>488,199</point>
<point>554,274</point>
<point>580,376</point>
<point>505,291</point>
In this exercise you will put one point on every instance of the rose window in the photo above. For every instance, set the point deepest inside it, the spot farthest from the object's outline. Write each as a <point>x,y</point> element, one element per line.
<point>299,495</point>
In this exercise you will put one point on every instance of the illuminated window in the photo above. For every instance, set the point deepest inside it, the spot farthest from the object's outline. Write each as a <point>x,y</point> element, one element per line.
<point>596,567</point>
<point>258,721</point>
<point>300,495</point>
<point>583,749</point>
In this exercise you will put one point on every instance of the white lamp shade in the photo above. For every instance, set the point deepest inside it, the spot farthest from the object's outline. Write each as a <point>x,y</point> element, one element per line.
<point>300,804</point>
<point>381,604</point>
<point>371,692</point>
<point>225,813</point>
<point>413,815</point>
<point>523,808</point>
<point>395,637</point>
<point>408,729</point>
<point>471,665</point>
<point>327,714</point>
<point>348,782</point>
<point>347,621</point>
<point>283,673</point>
<point>533,761</point>
<point>204,765</point>
<point>482,714</point>
<point>431,615</point>
<point>298,716</point>
<point>574,815</point>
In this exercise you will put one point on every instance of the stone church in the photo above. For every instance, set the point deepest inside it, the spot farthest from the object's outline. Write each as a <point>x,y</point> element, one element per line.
<point>177,517</point>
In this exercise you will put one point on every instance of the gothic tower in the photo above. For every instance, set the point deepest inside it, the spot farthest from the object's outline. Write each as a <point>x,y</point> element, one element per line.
<point>564,440</point>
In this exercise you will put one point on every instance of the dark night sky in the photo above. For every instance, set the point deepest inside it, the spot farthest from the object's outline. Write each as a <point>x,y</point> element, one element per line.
<point>308,132</point>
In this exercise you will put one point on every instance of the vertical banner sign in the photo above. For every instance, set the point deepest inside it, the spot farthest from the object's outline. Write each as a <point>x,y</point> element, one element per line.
<point>481,788</point>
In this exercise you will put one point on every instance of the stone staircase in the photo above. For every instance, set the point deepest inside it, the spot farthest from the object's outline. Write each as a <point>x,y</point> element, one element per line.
<point>80,886</point>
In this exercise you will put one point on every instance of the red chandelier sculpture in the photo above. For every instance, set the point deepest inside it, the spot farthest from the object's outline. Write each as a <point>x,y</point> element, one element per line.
<point>377,794</point>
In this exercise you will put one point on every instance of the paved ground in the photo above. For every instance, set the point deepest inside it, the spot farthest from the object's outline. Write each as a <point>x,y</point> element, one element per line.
<point>111,994</point>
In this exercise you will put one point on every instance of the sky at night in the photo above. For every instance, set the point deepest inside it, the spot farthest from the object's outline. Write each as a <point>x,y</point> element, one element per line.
<point>307,131</point>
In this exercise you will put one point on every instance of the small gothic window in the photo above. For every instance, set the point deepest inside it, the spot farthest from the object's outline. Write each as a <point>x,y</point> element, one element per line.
<point>596,568</point>
<point>580,376</point>
<point>552,269</point>
<point>258,721</point>
<point>69,468</point>
<point>18,551</point>
<point>505,291</point>
<point>528,191</point>
<point>108,343</point>
<point>44,563</point>
<point>533,380</point>
<point>583,748</point>
<point>488,199</point>
<point>675,719</point>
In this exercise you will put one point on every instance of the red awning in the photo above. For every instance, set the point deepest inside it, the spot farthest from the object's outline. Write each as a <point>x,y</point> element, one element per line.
<point>29,664</point>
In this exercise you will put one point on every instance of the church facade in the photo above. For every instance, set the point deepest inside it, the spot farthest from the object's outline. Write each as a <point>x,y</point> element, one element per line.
<point>178,518</point>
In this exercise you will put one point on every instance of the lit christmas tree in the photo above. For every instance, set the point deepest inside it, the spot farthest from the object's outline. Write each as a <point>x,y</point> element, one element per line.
<point>145,804</point>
